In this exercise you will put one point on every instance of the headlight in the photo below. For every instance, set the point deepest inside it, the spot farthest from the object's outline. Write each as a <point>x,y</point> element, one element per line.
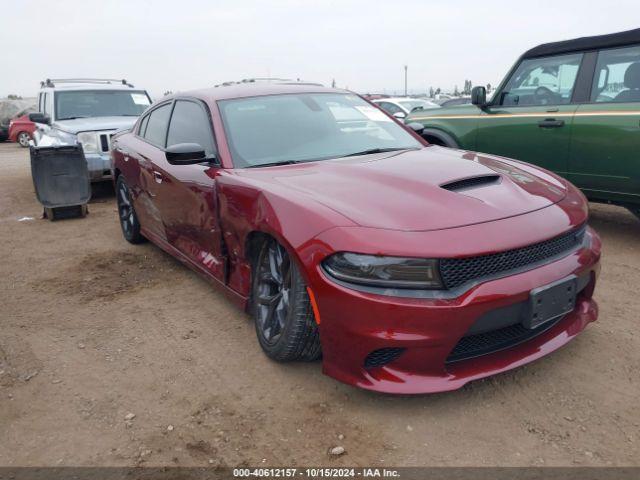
<point>89,142</point>
<point>377,271</point>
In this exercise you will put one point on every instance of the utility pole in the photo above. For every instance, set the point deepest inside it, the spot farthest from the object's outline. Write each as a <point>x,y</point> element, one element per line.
<point>405,80</point>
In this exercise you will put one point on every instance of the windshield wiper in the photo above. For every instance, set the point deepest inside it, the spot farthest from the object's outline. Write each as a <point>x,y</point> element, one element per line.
<point>274,164</point>
<point>375,150</point>
<point>72,118</point>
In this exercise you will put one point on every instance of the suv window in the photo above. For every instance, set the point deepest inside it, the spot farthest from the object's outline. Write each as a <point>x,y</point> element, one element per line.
<point>190,124</point>
<point>45,104</point>
<point>390,107</point>
<point>156,131</point>
<point>99,103</point>
<point>542,81</point>
<point>617,77</point>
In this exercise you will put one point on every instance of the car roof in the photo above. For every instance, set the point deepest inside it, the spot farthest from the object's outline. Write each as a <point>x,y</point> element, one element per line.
<point>611,40</point>
<point>251,89</point>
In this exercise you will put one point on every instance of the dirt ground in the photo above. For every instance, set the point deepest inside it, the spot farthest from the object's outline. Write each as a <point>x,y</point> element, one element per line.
<point>93,329</point>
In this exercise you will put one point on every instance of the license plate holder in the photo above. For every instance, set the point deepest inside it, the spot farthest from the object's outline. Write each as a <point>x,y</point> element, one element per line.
<point>551,301</point>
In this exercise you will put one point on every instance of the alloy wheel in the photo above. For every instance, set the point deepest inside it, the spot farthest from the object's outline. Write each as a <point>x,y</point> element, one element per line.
<point>125,209</point>
<point>273,292</point>
<point>23,139</point>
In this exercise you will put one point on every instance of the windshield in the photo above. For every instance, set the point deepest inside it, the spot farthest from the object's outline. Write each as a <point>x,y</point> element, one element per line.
<point>412,104</point>
<point>307,127</point>
<point>100,103</point>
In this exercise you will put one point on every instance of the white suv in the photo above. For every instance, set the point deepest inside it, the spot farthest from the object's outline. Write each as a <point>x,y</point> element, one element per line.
<point>89,112</point>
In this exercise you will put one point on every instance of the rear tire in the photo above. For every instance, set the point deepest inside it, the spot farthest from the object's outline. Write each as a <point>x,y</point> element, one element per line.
<point>284,320</point>
<point>23,139</point>
<point>127,214</point>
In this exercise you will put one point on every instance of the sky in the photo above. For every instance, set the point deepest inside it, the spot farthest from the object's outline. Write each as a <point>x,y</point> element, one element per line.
<point>179,45</point>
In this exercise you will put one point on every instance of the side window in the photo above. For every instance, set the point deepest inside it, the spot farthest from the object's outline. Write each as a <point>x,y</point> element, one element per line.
<point>617,77</point>
<point>40,97</point>
<point>190,124</point>
<point>156,131</point>
<point>390,107</point>
<point>45,103</point>
<point>542,81</point>
<point>143,126</point>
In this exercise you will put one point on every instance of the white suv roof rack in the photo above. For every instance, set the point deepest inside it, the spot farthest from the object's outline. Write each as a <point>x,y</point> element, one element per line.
<point>51,82</point>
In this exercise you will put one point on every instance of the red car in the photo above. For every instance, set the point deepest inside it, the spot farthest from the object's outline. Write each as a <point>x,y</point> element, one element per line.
<point>21,130</point>
<point>409,268</point>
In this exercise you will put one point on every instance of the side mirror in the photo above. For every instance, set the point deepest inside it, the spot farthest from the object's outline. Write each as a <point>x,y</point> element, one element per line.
<point>416,127</point>
<point>400,115</point>
<point>479,96</point>
<point>185,154</point>
<point>38,117</point>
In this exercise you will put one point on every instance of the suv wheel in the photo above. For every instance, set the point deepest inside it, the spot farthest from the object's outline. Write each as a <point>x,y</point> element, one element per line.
<point>128,218</point>
<point>282,312</point>
<point>23,139</point>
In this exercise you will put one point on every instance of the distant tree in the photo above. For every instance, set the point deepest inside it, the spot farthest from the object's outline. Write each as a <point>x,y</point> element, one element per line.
<point>333,83</point>
<point>168,92</point>
<point>488,87</point>
<point>432,93</point>
<point>438,91</point>
<point>12,96</point>
<point>456,92</point>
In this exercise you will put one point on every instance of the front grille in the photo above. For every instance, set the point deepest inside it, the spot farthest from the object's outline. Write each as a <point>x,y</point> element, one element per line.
<point>495,340</point>
<point>458,271</point>
<point>105,141</point>
<point>381,357</point>
<point>473,182</point>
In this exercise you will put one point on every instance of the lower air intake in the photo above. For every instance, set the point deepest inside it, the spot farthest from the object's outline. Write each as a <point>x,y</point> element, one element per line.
<point>484,343</point>
<point>381,357</point>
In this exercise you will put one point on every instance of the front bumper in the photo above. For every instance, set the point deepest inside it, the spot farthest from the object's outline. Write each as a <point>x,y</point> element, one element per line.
<point>354,324</point>
<point>99,165</point>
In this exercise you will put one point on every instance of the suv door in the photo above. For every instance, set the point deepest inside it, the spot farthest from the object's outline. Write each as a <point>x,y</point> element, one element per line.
<point>187,197</point>
<point>606,131</point>
<point>530,118</point>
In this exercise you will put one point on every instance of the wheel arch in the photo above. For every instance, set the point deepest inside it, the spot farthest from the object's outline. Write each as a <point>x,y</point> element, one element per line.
<point>435,136</point>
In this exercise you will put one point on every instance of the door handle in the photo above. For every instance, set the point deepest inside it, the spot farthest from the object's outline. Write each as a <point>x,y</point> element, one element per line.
<point>158,177</point>
<point>551,123</point>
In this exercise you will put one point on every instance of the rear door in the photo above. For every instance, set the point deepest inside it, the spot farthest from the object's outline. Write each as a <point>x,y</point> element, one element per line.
<point>531,117</point>
<point>187,195</point>
<point>151,141</point>
<point>604,158</point>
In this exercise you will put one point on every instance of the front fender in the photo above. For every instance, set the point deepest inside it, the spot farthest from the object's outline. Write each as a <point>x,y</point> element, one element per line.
<point>459,124</point>
<point>247,206</point>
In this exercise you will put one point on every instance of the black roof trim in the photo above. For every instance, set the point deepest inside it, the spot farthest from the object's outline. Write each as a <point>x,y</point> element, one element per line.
<point>585,43</point>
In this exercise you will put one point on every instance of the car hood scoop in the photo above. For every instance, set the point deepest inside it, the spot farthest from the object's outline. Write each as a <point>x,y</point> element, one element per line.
<point>429,189</point>
<point>471,182</point>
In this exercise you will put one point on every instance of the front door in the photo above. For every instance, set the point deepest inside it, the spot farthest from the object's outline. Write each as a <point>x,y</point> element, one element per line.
<point>531,117</point>
<point>604,158</point>
<point>187,195</point>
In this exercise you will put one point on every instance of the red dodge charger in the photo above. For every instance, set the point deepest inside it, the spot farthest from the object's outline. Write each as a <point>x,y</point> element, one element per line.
<point>408,268</point>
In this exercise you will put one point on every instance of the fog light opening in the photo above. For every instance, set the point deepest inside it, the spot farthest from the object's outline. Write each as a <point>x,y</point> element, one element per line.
<point>382,357</point>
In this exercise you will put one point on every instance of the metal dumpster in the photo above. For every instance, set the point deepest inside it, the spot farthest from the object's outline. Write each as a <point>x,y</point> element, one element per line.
<point>61,180</point>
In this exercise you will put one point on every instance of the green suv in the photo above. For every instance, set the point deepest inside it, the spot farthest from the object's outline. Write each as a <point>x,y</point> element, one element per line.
<point>572,107</point>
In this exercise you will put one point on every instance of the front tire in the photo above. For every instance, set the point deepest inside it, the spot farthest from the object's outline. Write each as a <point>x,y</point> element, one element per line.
<point>281,308</point>
<point>23,139</point>
<point>127,214</point>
